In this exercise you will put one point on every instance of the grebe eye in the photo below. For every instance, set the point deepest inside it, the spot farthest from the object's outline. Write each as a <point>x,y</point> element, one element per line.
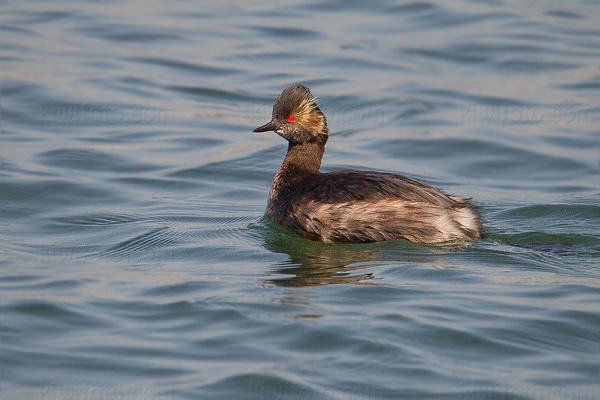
<point>291,118</point>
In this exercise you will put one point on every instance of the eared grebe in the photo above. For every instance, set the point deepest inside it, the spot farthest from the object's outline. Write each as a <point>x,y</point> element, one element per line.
<point>353,206</point>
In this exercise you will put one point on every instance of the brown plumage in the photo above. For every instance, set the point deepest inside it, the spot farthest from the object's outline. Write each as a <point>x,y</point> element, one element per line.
<point>350,205</point>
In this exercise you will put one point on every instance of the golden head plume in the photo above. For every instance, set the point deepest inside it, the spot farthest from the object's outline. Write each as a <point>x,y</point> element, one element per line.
<point>310,117</point>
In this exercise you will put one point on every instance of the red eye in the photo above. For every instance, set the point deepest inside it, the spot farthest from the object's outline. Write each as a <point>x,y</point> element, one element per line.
<point>291,118</point>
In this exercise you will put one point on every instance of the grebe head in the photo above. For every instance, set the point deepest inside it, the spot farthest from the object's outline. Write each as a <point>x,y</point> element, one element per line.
<point>297,117</point>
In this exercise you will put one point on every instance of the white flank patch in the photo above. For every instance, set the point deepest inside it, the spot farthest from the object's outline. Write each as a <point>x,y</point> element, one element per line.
<point>445,224</point>
<point>467,218</point>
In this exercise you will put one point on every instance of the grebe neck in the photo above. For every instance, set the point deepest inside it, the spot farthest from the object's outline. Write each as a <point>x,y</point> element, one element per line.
<point>301,161</point>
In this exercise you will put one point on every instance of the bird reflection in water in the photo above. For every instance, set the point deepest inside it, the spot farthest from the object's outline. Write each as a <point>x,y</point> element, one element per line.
<point>315,263</point>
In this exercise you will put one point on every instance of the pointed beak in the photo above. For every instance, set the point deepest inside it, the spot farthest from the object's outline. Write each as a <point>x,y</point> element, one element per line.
<point>269,126</point>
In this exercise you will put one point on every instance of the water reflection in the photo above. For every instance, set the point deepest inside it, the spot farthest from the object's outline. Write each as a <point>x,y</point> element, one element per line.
<point>314,263</point>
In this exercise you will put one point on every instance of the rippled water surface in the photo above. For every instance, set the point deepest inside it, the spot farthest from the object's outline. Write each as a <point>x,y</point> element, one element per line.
<point>134,261</point>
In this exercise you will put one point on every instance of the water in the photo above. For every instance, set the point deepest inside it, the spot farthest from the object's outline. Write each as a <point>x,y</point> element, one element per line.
<point>134,261</point>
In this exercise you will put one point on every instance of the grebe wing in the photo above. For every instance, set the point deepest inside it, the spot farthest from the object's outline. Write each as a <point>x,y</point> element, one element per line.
<point>354,185</point>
